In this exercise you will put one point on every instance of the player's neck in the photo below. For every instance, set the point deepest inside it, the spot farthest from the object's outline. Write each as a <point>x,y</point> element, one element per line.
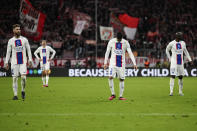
<point>119,40</point>
<point>177,40</point>
<point>16,36</point>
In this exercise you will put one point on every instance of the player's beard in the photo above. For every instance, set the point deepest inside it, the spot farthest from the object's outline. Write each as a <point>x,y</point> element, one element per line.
<point>17,34</point>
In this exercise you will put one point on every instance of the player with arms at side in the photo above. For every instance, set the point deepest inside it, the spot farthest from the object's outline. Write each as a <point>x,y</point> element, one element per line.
<point>118,47</point>
<point>177,47</point>
<point>44,59</point>
<point>18,45</point>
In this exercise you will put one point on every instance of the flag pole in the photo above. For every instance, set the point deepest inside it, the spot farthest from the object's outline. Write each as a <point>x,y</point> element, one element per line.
<point>96,30</point>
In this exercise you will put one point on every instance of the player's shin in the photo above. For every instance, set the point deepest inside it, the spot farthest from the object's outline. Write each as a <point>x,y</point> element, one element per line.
<point>180,86</point>
<point>111,86</point>
<point>23,82</point>
<point>171,85</point>
<point>15,85</point>
<point>121,88</point>
<point>43,79</point>
<point>47,79</point>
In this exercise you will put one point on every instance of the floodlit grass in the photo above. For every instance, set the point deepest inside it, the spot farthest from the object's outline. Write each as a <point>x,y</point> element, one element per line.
<point>81,104</point>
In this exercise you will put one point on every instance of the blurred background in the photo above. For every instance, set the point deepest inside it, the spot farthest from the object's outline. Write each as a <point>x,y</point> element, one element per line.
<point>80,30</point>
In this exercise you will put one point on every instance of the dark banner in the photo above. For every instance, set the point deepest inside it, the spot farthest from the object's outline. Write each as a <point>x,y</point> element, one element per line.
<point>63,72</point>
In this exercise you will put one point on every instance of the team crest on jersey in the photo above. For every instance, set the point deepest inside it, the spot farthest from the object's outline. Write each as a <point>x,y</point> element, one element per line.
<point>43,50</point>
<point>118,45</point>
<point>18,43</point>
<point>178,46</point>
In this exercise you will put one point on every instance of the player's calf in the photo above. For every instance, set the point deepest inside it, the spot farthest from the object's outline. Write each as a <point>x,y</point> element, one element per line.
<point>23,85</point>
<point>111,86</point>
<point>180,85</point>
<point>23,95</point>
<point>121,86</point>
<point>15,87</point>
<point>172,85</point>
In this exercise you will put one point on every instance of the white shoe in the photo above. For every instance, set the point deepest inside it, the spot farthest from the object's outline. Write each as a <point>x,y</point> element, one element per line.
<point>171,94</point>
<point>181,94</point>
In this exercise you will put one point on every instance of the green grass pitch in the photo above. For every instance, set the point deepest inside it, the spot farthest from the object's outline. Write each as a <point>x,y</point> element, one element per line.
<point>81,104</point>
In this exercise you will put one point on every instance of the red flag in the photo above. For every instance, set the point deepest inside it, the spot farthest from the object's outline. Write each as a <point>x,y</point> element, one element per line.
<point>32,20</point>
<point>128,20</point>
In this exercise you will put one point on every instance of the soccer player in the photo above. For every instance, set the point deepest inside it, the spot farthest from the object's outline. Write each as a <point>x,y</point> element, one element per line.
<point>18,45</point>
<point>44,59</point>
<point>118,47</point>
<point>177,47</point>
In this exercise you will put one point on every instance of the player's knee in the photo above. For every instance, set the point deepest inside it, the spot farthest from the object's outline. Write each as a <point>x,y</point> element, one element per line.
<point>180,77</point>
<point>173,76</point>
<point>23,77</point>
<point>15,78</point>
<point>48,72</point>
<point>110,77</point>
<point>121,79</point>
<point>43,72</point>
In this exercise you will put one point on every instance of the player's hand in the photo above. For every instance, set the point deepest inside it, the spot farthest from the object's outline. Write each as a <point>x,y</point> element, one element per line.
<point>40,59</point>
<point>6,66</point>
<point>30,64</point>
<point>191,63</point>
<point>135,67</point>
<point>105,66</point>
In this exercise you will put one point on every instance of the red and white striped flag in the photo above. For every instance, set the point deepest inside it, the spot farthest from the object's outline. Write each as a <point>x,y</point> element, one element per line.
<point>130,23</point>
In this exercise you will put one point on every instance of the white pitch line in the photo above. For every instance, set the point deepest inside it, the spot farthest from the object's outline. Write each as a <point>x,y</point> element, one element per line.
<point>98,114</point>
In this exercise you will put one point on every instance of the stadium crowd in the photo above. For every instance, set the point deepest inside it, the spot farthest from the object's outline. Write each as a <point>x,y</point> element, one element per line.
<point>159,20</point>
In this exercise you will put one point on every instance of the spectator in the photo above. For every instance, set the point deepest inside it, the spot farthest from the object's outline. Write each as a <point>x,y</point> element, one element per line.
<point>146,63</point>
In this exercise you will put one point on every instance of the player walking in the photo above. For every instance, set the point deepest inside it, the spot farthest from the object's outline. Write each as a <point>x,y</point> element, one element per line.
<point>18,45</point>
<point>44,59</point>
<point>118,47</point>
<point>177,47</point>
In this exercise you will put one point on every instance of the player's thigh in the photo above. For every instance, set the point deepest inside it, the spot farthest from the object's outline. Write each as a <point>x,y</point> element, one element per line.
<point>173,71</point>
<point>15,70</point>
<point>42,67</point>
<point>23,69</point>
<point>112,72</point>
<point>180,71</point>
<point>121,73</point>
<point>47,66</point>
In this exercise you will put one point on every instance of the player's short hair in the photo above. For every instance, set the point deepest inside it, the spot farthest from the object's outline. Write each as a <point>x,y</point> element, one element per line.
<point>43,40</point>
<point>119,35</point>
<point>179,33</point>
<point>15,25</point>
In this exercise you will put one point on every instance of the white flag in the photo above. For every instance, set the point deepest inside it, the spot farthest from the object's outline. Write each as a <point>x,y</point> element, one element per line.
<point>106,33</point>
<point>79,27</point>
<point>130,32</point>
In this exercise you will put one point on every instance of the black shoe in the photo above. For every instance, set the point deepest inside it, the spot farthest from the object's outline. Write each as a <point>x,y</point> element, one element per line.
<point>23,95</point>
<point>15,98</point>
